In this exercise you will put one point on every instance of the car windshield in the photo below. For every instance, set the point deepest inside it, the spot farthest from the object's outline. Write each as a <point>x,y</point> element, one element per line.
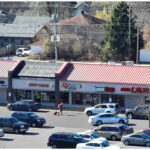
<point>76,136</point>
<point>95,135</point>
<point>14,120</point>
<point>34,115</point>
<point>104,144</point>
<point>111,106</point>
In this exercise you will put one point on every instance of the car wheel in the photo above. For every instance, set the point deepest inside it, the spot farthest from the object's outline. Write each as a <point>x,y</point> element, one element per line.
<point>89,113</point>
<point>10,108</point>
<point>113,138</point>
<point>54,146</point>
<point>121,121</point>
<point>130,115</point>
<point>29,109</point>
<point>98,123</point>
<point>33,125</point>
<point>147,144</point>
<point>126,142</point>
<point>16,130</point>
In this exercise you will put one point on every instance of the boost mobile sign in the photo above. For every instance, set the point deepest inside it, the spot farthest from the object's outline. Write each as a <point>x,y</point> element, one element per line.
<point>72,86</point>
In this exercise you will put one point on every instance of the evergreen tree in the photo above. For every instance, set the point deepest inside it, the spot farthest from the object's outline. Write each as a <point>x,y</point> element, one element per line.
<point>115,44</point>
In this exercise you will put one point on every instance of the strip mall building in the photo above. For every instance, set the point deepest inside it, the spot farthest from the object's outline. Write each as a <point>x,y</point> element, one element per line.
<point>78,84</point>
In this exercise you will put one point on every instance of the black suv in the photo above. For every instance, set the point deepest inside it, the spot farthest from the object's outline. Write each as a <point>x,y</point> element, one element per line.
<point>11,124</point>
<point>65,140</point>
<point>23,105</point>
<point>139,112</point>
<point>29,117</point>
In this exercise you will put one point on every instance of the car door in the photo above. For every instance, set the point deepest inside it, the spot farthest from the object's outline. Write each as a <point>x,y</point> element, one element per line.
<point>139,111</point>
<point>97,109</point>
<point>103,132</point>
<point>7,125</point>
<point>137,140</point>
<point>71,142</point>
<point>1,124</point>
<point>19,105</point>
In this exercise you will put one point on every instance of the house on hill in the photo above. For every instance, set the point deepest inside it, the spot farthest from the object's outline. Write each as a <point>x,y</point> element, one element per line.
<point>87,26</point>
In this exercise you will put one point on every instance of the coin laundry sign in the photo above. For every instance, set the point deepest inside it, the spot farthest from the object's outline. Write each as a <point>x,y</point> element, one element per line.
<point>72,86</point>
<point>136,90</point>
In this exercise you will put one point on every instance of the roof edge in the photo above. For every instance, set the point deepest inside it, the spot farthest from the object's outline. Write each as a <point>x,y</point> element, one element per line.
<point>61,69</point>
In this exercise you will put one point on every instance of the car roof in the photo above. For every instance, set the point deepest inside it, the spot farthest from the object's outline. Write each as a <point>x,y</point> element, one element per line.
<point>95,141</point>
<point>18,112</point>
<point>6,117</point>
<point>104,114</point>
<point>27,100</point>
<point>64,133</point>
<point>112,125</point>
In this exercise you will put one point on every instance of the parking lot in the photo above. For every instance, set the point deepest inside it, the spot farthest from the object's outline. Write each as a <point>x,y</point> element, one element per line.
<point>71,121</point>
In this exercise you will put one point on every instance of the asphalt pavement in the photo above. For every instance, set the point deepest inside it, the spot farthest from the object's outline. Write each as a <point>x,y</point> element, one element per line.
<point>70,121</point>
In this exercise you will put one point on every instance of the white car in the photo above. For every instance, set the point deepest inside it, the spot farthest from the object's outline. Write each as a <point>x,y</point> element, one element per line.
<point>107,118</point>
<point>92,136</point>
<point>102,108</point>
<point>1,133</point>
<point>23,52</point>
<point>96,145</point>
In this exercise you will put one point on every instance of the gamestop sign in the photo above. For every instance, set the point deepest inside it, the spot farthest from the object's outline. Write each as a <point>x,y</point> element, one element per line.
<point>72,86</point>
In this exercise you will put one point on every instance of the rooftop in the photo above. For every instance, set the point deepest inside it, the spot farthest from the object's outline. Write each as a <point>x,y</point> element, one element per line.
<point>101,73</point>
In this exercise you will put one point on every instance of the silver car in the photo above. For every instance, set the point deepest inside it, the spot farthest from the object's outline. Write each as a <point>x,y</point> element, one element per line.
<point>136,139</point>
<point>1,133</point>
<point>107,118</point>
<point>113,131</point>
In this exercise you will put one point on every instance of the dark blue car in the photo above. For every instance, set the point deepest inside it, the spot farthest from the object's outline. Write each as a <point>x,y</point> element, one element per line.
<point>31,118</point>
<point>11,124</point>
<point>23,105</point>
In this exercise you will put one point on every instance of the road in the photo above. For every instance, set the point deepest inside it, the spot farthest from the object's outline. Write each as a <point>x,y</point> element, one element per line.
<point>69,122</point>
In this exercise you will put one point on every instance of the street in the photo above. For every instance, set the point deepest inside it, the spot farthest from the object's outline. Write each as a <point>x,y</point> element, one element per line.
<point>71,121</point>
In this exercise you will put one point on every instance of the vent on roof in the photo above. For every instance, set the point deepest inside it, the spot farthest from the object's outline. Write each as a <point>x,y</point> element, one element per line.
<point>128,63</point>
<point>111,62</point>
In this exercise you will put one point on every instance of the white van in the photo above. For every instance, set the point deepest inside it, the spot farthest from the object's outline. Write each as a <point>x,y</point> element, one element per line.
<point>23,52</point>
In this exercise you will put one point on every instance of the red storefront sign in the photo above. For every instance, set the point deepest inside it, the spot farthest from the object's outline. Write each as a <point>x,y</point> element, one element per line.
<point>135,90</point>
<point>38,85</point>
<point>2,82</point>
<point>104,89</point>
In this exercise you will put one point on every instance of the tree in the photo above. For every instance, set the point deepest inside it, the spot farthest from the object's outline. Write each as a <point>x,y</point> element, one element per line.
<point>102,14</point>
<point>115,44</point>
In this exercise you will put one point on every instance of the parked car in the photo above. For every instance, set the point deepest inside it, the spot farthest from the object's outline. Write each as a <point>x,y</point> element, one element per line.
<point>29,117</point>
<point>23,52</point>
<point>113,131</point>
<point>92,136</point>
<point>11,124</point>
<point>136,139</point>
<point>65,140</point>
<point>96,145</point>
<point>101,108</point>
<point>106,118</point>
<point>1,132</point>
<point>139,112</point>
<point>23,105</point>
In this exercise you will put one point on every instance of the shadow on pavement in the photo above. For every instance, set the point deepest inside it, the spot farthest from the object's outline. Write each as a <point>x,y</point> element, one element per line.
<point>47,127</point>
<point>42,111</point>
<point>30,133</point>
<point>131,124</point>
<point>6,139</point>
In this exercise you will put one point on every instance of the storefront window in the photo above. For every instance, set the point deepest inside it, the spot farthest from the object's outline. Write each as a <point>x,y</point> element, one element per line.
<point>85,98</point>
<point>77,98</point>
<point>48,97</point>
<point>147,99</point>
<point>64,97</point>
<point>106,98</point>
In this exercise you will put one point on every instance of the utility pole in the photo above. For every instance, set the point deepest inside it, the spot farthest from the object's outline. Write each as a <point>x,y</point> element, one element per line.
<point>137,50</point>
<point>129,32</point>
<point>55,34</point>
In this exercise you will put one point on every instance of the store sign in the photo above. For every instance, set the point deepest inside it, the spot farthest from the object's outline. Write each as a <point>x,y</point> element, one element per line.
<point>135,90</point>
<point>72,86</point>
<point>39,85</point>
<point>2,84</point>
<point>104,89</point>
